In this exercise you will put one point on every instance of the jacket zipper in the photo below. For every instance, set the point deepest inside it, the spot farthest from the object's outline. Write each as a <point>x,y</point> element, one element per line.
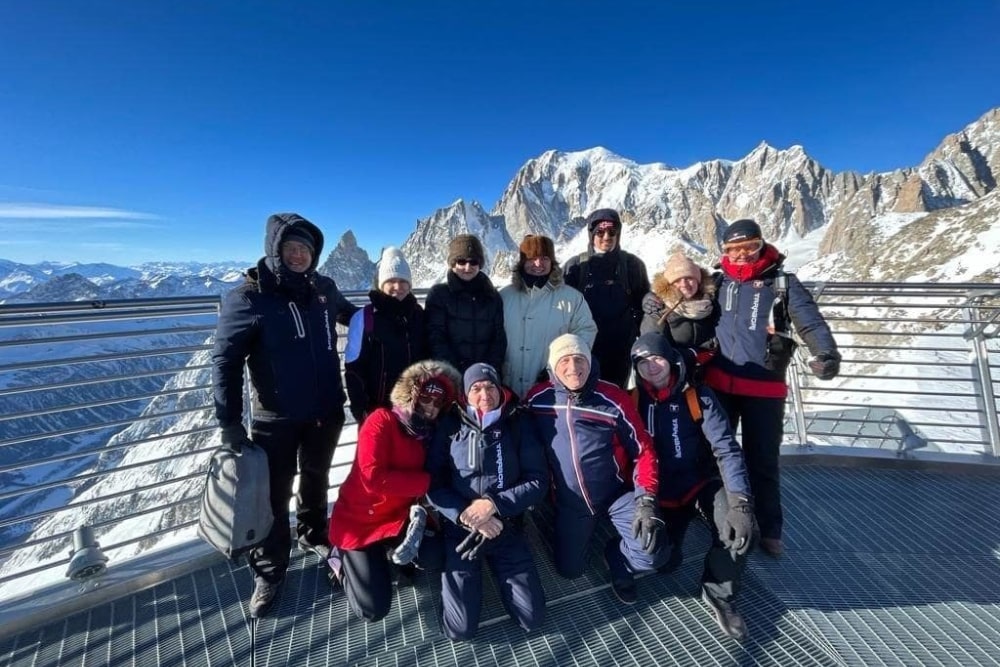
<point>576,455</point>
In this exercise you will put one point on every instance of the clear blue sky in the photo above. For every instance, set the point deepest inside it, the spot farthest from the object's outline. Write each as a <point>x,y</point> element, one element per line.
<point>155,129</point>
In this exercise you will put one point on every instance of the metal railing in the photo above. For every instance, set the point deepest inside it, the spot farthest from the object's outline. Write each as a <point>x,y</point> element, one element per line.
<point>106,408</point>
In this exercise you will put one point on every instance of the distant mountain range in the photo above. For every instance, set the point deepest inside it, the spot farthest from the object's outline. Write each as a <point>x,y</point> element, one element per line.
<point>939,220</point>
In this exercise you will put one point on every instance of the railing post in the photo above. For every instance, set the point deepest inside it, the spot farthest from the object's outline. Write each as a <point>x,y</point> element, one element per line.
<point>982,378</point>
<point>798,411</point>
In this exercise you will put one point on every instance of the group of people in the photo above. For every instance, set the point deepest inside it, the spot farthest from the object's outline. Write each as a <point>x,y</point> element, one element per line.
<point>588,388</point>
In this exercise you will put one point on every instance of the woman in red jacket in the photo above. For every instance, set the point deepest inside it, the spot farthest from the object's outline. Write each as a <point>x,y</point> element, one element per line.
<point>387,477</point>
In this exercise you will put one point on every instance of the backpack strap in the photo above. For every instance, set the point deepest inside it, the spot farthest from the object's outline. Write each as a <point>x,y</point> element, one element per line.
<point>369,318</point>
<point>694,405</point>
<point>584,261</point>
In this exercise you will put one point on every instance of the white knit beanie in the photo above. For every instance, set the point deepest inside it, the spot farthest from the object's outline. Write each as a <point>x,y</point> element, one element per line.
<point>393,266</point>
<point>567,344</point>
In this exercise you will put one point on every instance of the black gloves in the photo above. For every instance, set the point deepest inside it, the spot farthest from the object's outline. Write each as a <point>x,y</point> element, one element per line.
<point>825,365</point>
<point>647,523</point>
<point>739,526</point>
<point>234,437</point>
<point>470,546</point>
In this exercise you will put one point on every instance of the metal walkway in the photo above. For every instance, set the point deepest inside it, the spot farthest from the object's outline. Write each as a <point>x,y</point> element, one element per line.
<point>883,567</point>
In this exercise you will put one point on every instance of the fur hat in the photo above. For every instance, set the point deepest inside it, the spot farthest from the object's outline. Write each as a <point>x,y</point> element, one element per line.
<point>479,373</point>
<point>392,266</point>
<point>301,235</point>
<point>603,215</point>
<point>567,344</point>
<point>742,230</point>
<point>537,246</point>
<point>466,246</point>
<point>412,381</point>
<point>679,266</point>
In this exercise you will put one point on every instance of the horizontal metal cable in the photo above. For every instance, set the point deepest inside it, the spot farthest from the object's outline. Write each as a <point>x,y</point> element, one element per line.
<point>97,358</point>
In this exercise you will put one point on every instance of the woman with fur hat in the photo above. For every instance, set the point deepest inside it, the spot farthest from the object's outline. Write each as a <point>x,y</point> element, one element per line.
<point>465,314</point>
<point>537,308</point>
<point>384,337</point>
<point>386,478</point>
<point>681,305</point>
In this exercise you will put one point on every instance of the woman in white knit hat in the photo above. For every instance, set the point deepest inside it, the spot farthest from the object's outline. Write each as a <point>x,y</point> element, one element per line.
<point>385,337</point>
<point>681,305</point>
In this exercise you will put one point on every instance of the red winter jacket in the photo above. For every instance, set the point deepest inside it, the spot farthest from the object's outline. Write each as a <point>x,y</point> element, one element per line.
<point>386,478</point>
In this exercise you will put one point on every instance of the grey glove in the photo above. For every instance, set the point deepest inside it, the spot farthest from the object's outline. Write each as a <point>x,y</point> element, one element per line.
<point>739,526</point>
<point>646,524</point>
<point>234,437</point>
<point>408,549</point>
<point>825,365</point>
<point>652,304</point>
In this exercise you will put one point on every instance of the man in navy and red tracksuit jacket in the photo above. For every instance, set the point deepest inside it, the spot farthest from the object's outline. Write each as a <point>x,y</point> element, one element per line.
<point>755,348</point>
<point>602,462</point>
<point>701,472</point>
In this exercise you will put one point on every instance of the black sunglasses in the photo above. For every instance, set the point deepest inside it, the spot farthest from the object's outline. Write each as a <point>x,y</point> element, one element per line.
<point>466,262</point>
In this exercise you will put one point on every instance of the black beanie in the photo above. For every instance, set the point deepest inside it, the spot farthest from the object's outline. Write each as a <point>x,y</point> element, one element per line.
<point>603,215</point>
<point>742,230</point>
<point>301,235</point>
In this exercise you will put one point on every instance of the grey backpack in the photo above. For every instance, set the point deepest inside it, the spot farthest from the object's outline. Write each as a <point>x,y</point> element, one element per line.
<point>236,506</point>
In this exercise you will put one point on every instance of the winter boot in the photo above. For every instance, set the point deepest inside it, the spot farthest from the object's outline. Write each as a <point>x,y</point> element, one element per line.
<point>726,616</point>
<point>265,594</point>
<point>622,581</point>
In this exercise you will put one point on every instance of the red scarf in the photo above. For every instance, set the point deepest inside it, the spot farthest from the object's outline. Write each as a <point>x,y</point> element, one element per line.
<point>744,272</point>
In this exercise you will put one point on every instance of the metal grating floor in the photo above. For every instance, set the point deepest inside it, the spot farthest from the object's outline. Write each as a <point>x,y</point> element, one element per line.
<point>884,567</point>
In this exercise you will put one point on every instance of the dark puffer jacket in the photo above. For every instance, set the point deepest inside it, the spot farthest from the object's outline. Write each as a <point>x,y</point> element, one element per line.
<point>689,454</point>
<point>283,325</point>
<point>616,312</point>
<point>504,462</point>
<point>465,322</point>
<point>384,338</point>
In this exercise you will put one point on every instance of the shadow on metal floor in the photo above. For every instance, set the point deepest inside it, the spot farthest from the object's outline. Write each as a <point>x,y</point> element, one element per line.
<point>883,567</point>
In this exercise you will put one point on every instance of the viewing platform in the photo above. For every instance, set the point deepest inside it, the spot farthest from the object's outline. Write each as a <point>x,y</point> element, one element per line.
<point>890,487</point>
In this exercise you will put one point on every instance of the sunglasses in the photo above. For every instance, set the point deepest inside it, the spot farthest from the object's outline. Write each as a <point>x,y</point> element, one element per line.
<point>466,262</point>
<point>744,247</point>
<point>436,400</point>
<point>607,233</point>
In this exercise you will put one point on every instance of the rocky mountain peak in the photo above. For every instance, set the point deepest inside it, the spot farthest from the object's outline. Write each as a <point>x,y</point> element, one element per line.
<point>349,265</point>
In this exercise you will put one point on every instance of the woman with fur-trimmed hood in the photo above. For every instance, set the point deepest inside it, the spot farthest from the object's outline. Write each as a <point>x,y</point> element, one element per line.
<point>538,307</point>
<point>386,478</point>
<point>681,305</point>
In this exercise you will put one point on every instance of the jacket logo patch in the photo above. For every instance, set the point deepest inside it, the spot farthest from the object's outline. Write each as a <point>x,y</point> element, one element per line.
<point>322,298</point>
<point>674,407</point>
<point>757,284</point>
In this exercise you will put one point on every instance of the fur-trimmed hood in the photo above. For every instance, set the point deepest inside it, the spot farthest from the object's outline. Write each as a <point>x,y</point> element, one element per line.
<point>407,388</point>
<point>555,278</point>
<point>670,295</point>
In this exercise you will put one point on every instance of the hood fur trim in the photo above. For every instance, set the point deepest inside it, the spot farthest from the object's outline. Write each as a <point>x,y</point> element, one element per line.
<point>670,295</point>
<point>407,388</point>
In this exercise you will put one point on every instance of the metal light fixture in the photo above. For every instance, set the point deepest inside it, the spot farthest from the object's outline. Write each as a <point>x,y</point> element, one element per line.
<point>86,560</point>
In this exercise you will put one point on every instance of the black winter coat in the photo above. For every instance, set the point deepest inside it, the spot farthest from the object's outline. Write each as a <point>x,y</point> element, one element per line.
<point>465,322</point>
<point>283,327</point>
<point>376,355</point>
<point>616,312</point>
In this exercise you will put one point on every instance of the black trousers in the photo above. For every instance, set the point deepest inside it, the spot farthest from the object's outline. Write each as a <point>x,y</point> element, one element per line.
<point>307,447</point>
<point>762,420</point>
<point>723,569</point>
<point>367,574</point>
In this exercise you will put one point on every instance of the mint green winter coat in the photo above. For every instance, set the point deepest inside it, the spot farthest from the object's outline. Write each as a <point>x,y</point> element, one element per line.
<point>533,318</point>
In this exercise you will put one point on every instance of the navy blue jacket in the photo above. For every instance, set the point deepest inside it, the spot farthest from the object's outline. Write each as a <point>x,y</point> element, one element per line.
<point>750,356</point>
<point>284,327</point>
<point>595,442</point>
<point>504,462</point>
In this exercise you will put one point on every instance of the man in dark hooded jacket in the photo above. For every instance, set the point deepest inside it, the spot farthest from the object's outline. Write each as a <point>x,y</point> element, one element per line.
<point>613,282</point>
<point>701,472</point>
<point>281,323</point>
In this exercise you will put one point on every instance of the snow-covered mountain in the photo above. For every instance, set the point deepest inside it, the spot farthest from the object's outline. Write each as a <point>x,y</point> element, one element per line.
<point>787,192</point>
<point>349,265</point>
